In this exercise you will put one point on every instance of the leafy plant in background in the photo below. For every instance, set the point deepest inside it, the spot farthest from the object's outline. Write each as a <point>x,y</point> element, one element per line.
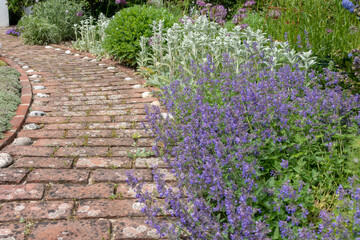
<point>108,7</point>
<point>51,21</point>
<point>171,53</point>
<point>16,10</point>
<point>90,34</point>
<point>331,30</point>
<point>259,154</point>
<point>122,36</point>
<point>9,96</point>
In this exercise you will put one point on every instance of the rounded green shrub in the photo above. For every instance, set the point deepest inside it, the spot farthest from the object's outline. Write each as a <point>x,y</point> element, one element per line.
<point>122,40</point>
<point>51,21</point>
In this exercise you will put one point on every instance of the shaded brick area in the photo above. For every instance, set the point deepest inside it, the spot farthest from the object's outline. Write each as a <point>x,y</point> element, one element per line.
<point>71,182</point>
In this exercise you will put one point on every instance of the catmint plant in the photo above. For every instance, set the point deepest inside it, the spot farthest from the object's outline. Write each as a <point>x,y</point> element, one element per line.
<point>258,153</point>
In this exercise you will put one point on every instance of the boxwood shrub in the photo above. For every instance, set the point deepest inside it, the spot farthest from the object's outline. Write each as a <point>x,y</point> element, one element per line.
<point>123,34</point>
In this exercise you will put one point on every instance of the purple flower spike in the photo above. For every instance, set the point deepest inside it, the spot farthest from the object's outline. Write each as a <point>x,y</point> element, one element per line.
<point>249,3</point>
<point>348,5</point>
<point>200,3</point>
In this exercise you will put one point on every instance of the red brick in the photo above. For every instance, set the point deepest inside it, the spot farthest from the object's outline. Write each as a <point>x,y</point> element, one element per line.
<point>39,162</point>
<point>108,208</point>
<point>125,191</point>
<point>58,175</point>
<point>58,142</point>
<point>41,134</point>
<point>82,151</point>
<point>22,109</point>
<point>12,175</point>
<point>68,126</point>
<point>121,125</point>
<point>35,210</point>
<point>149,162</point>
<point>71,191</point>
<point>119,175</point>
<point>21,192</point>
<point>16,121</point>
<point>89,133</point>
<point>12,231</point>
<point>45,119</point>
<point>91,119</point>
<point>124,151</point>
<point>97,162</point>
<point>131,118</point>
<point>29,151</point>
<point>133,228</point>
<point>74,230</point>
<point>110,142</point>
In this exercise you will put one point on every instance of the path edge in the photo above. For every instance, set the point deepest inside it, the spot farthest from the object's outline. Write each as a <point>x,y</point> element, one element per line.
<point>26,97</point>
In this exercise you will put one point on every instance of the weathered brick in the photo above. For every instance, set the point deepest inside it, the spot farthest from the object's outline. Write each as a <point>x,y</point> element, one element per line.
<point>89,133</point>
<point>35,210</point>
<point>91,119</point>
<point>119,175</point>
<point>65,126</point>
<point>97,162</point>
<point>58,142</point>
<point>12,175</point>
<point>82,151</point>
<point>108,208</point>
<point>47,134</point>
<point>45,119</point>
<point>121,125</point>
<point>58,175</point>
<point>71,191</point>
<point>110,142</point>
<point>71,230</point>
<point>39,162</point>
<point>149,162</point>
<point>12,231</point>
<point>29,151</point>
<point>21,192</point>
<point>133,228</point>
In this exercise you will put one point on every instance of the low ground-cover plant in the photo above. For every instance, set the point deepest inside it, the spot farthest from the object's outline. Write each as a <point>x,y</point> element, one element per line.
<point>9,96</point>
<point>170,53</point>
<point>122,40</point>
<point>90,35</point>
<point>260,154</point>
<point>51,21</point>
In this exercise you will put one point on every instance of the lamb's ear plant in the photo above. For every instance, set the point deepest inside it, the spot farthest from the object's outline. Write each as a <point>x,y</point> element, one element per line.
<point>169,54</point>
<point>90,35</point>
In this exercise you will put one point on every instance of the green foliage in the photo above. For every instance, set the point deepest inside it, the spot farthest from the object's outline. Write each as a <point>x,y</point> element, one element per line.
<point>9,96</point>
<point>51,22</point>
<point>332,30</point>
<point>123,34</point>
<point>16,9</point>
<point>107,7</point>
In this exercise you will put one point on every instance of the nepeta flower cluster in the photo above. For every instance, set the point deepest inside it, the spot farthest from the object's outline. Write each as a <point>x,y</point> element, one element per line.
<point>257,154</point>
<point>15,31</point>
<point>123,2</point>
<point>215,13</point>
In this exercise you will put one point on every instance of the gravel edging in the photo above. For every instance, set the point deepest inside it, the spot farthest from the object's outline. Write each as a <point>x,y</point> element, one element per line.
<point>23,108</point>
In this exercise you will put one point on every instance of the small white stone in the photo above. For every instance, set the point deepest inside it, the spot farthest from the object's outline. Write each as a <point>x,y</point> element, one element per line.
<point>49,47</point>
<point>5,160</point>
<point>34,76</point>
<point>76,55</point>
<point>30,70</point>
<point>57,49</point>
<point>32,126</point>
<point>94,60</point>
<point>137,86</point>
<point>39,88</point>
<point>111,68</point>
<point>68,52</point>
<point>37,114</point>
<point>42,95</point>
<point>167,115</point>
<point>86,58</point>
<point>22,141</point>
<point>155,103</point>
<point>128,79</point>
<point>25,67</point>
<point>102,64</point>
<point>146,95</point>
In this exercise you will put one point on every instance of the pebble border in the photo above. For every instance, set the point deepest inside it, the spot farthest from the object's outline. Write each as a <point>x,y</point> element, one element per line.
<point>26,97</point>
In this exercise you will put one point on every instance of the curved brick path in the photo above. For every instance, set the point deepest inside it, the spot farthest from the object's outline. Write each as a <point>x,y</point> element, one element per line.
<point>70,183</point>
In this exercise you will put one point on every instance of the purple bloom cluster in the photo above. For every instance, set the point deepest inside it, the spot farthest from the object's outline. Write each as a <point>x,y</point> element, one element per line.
<point>15,31</point>
<point>216,13</point>
<point>79,13</point>
<point>123,2</point>
<point>221,147</point>
<point>348,5</point>
<point>240,16</point>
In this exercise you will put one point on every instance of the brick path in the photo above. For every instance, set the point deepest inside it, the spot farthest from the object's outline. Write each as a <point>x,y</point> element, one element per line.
<point>70,183</point>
